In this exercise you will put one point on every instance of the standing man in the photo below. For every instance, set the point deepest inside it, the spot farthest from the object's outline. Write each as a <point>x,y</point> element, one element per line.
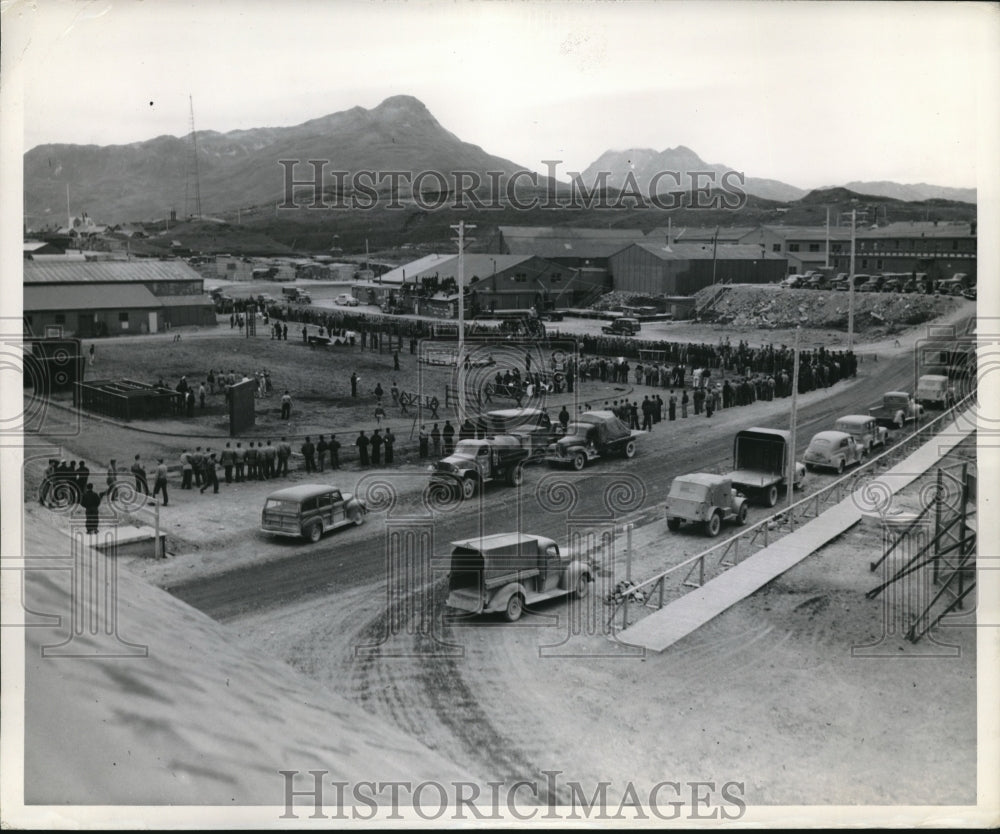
<point>354,384</point>
<point>362,444</point>
<point>47,480</point>
<point>424,438</point>
<point>211,381</point>
<point>284,452</point>
<point>376,447</point>
<point>160,485</point>
<point>448,435</point>
<point>93,357</point>
<point>321,447</point>
<point>252,461</point>
<point>395,359</point>
<point>308,452</point>
<point>672,406</point>
<point>82,477</point>
<point>286,405</point>
<point>201,394</point>
<point>270,454</point>
<point>436,440</point>
<point>334,452</point>
<point>111,479</point>
<point>239,459</point>
<point>141,484</point>
<point>684,403</point>
<point>197,464</point>
<point>388,442</point>
<point>228,459</point>
<point>187,470</point>
<point>90,501</point>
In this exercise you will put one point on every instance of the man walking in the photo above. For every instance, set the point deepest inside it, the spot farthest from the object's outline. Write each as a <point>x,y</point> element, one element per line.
<point>211,476</point>
<point>90,501</point>
<point>160,484</point>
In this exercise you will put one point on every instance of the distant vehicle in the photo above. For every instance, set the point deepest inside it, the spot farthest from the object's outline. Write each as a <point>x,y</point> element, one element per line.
<point>891,285</point>
<point>866,432</point>
<point>296,295</point>
<point>970,293</point>
<point>310,510</point>
<point>532,424</point>
<point>791,281</point>
<point>897,409</point>
<point>475,463</point>
<point>705,499</point>
<point>507,571</point>
<point>346,300</point>
<point>551,315</point>
<point>760,458</point>
<point>935,390</point>
<point>833,450</point>
<point>909,286</point>
<point>622,327</point>
<point>593,435</point>
<point>817,281</point>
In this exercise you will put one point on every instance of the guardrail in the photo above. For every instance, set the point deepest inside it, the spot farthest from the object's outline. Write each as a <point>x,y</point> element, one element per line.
<point>692,572</point>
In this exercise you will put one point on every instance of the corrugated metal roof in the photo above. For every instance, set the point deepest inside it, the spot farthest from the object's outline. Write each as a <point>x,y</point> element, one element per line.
<point>918,229</point>
<point>395,276</point>
<point>107,272</point>
<point>703,251</point>
<point>90,297</point>
<point>700,233</point>
<point>566,247</point>
<point>184,300</point>
<point>808,232</point>
<point>569,232</point>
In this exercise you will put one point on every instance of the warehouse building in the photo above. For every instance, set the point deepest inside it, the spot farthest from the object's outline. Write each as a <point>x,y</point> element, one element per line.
<point>112,298</point>
<point>681,269</point>
<point>940,250</point>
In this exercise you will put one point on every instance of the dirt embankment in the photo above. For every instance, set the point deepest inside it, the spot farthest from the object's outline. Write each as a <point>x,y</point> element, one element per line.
<point>768,307</point>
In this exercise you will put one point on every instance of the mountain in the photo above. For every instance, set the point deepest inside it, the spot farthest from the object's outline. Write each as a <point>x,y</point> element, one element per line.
<point>914,192</point>
<point>646,163</point>
<point>145,180</point>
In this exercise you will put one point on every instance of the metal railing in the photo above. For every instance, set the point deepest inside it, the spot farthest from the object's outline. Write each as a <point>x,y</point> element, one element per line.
<point>694,571</point>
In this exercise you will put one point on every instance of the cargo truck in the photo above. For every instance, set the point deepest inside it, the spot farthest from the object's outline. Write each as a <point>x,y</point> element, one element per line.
<point>760,458</point>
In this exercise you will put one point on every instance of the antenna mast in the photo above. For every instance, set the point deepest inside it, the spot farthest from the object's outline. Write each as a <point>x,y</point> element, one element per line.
<point>194,154</point>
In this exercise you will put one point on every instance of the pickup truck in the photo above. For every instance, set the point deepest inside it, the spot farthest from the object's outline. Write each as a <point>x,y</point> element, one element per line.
<point>296,295</point>
<point>705,499</point>
<point>593,435</point>
<point>475,463</point>
<point>505,572</point>
<point>897,409</point>
<point>622,327</point>
<point>760,458</point>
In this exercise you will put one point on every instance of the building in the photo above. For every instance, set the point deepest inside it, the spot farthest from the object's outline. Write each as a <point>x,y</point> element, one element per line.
<point>681,269</point>
<point>938,249</point>
<point>110,298</point>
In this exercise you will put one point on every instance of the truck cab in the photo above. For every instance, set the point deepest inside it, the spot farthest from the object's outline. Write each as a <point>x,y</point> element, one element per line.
<point>507,571</point>
<point>475,463</point>
<point>593,435</point>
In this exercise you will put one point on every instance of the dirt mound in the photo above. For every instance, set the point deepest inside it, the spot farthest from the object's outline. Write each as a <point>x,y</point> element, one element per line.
<point>771,307</point>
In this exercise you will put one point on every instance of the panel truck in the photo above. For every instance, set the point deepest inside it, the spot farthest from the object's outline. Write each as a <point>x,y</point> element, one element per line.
<point>506,571</point>
<point>760,458</point>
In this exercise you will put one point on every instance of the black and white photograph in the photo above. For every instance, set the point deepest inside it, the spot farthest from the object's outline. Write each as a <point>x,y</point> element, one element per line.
<point>499,414</point>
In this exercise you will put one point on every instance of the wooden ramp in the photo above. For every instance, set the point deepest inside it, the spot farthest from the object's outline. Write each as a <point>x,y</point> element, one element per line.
<point>663,628</point>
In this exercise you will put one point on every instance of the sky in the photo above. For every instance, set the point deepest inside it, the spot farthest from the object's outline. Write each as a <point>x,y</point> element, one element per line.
<point>811,94</point>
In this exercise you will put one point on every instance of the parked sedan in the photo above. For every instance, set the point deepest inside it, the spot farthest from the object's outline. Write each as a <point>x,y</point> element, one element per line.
<point>346,300</point>
<point>833,450</point>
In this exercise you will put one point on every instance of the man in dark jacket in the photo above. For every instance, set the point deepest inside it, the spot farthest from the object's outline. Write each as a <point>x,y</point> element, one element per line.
<point>308,453</point>
<point>376,444</point>
<point>90,501</point>
<point>362,444</point>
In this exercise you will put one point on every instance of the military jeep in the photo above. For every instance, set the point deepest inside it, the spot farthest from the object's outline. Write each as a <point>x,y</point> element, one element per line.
<point>705,499</point>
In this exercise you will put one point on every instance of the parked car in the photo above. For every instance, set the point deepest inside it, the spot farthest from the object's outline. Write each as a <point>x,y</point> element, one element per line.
<point>507,571</point>
<point>310,510</point>
<point>898,408</point>
<point>622,327</point>
<point>704,499</point>
<point>864,429</point>
<point>346,300</point>
<point>890,285</point>
<point>833,450</point>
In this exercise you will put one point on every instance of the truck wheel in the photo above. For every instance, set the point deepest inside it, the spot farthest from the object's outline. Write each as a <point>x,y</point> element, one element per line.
<point>515,476</point>
<point>714,524</point>
<point>579,460</point>
<point>314,532</point>
<point>357,517</point>
<point>515,607</point>
<point>630,449</point>
<point>741,516</point>
<point>582,586</point>
<point>468,487</point>
<point>771,496</point>
<point>674,524</point>
<point>840,467</point>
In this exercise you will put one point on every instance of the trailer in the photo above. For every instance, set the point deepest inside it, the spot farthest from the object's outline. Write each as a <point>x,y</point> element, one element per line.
<point>760,458</point>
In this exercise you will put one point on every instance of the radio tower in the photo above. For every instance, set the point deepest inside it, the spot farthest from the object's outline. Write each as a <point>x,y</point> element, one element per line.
<point>194,157</point>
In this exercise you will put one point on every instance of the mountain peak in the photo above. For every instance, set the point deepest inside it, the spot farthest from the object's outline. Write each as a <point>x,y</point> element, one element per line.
<point>402,103</point>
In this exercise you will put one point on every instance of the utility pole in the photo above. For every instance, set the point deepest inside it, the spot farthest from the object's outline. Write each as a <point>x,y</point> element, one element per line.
<point>850,289</point>
<point>715,250</point>
<point>460,357</point>
<point>194,150</point>
<point>795,408</point>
